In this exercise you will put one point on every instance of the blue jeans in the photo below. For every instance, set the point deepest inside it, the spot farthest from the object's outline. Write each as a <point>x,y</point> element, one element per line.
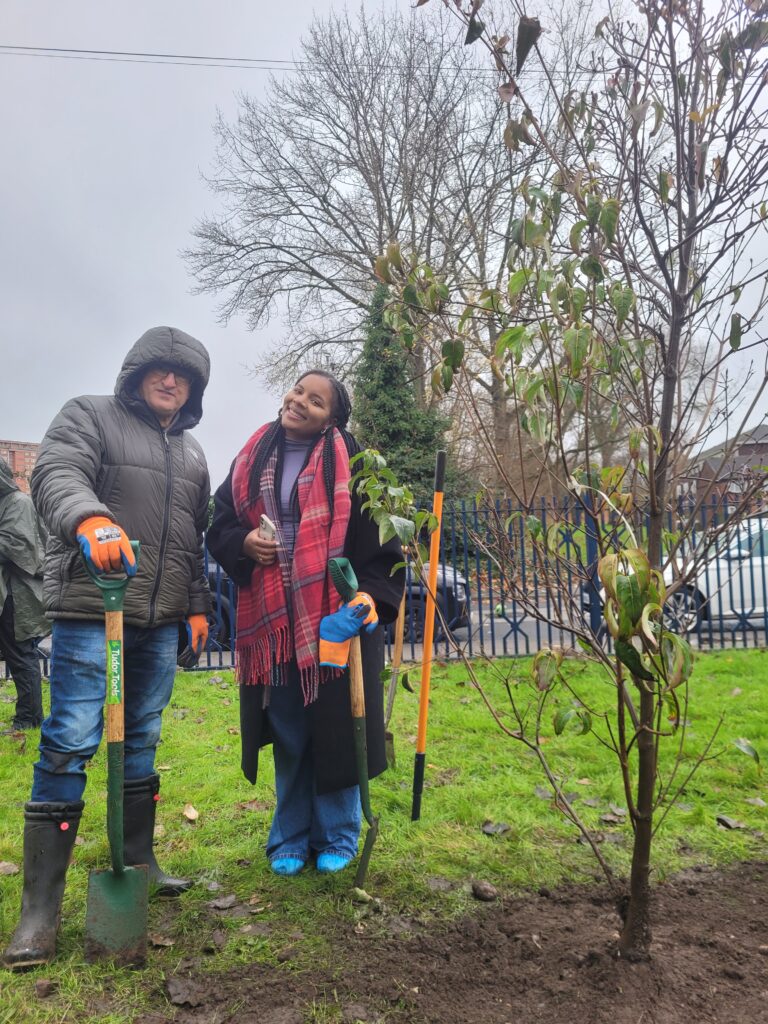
<point>305,822</point>
<point>71,734</point>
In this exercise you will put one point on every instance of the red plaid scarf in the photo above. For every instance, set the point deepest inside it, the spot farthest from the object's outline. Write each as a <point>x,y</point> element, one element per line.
<point>269,635</point>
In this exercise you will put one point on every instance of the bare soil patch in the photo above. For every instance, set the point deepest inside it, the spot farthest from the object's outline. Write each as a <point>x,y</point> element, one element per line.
<point>544,958</point>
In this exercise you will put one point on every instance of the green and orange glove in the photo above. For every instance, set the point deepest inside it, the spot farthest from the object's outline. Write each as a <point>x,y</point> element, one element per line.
<point>106,545</point>
<point>337,630</point>
<point>197,638</point>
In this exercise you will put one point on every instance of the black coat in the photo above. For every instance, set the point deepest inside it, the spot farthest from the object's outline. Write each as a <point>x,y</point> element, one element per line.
<point>332,737</point>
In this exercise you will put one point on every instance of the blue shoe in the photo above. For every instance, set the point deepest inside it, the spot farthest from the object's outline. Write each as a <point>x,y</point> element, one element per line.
<point>286,865</point>
<point>330,863</point>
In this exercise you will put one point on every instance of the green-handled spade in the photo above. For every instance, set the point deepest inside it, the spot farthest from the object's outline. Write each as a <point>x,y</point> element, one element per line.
<point>345,581</point>
<point>116,911</point>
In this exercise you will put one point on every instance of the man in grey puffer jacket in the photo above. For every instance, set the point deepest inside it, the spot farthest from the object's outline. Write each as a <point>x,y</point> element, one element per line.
<point>111,469</point>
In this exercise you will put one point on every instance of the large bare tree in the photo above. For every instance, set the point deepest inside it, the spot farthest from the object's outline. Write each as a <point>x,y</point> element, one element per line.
<point>389,130</point>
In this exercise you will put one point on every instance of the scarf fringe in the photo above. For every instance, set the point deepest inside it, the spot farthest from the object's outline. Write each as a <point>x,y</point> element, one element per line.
<point>256,661</point>
<point>263,662</point>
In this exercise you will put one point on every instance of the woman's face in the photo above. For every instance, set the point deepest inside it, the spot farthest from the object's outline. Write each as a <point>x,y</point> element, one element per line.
<point>307,408</point>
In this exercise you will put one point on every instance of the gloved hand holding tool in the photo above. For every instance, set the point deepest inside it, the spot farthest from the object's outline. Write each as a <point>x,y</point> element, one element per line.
<point>197,638</point>
<point>116,911</point>
<point>105,545</point>
<point>345,581</point>
<point>338,629</point>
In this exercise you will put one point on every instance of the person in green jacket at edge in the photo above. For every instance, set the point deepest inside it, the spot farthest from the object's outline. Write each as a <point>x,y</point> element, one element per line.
<point>22,618</point>
<point>111,469</point>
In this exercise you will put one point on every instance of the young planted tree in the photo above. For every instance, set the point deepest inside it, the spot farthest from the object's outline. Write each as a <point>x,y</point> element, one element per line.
<point>635,276</point>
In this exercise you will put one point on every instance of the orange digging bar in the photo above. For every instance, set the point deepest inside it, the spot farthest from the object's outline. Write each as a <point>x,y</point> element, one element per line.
<point>429,632</point>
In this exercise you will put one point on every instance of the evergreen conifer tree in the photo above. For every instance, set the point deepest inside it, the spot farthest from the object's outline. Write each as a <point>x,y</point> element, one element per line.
<point>387,416</point>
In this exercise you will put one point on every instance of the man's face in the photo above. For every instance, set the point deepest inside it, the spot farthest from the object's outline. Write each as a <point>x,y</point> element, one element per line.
<point>165,390</point>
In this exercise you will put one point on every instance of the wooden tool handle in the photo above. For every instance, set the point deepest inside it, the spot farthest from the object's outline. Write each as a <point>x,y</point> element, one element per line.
<point>397,650</point>
<point>356,692</point>
<point>113,626</point>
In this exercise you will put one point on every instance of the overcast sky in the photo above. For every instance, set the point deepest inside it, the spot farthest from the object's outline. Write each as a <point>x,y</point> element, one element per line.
<point>100,186</point>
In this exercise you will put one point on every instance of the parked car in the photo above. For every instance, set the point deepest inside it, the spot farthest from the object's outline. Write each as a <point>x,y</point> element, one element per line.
<point>730,585</point>
<point>452,596</point>
<point>731,582</point>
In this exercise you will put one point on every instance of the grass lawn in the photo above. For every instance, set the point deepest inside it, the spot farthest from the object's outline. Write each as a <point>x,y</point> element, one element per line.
<point>475,774</point>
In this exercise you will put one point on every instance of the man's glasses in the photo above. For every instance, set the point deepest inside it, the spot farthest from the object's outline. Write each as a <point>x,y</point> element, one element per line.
<point>161,371</point>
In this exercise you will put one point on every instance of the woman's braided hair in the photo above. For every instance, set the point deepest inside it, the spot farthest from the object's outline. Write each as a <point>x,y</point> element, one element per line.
<point>275,438</point>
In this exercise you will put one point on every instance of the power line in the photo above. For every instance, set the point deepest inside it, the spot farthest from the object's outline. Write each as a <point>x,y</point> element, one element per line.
<point>211,61</point>
<point>139,53</point>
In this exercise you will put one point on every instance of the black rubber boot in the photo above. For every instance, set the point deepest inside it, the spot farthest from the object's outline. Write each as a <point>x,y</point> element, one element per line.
<point>49,835</point>
<point>140,799</point>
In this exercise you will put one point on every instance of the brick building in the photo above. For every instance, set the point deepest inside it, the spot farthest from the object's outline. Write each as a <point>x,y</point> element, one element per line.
<point>21,456</point>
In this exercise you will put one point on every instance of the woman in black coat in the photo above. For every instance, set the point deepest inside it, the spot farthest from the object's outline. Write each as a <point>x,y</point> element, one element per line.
<point>295,472</point>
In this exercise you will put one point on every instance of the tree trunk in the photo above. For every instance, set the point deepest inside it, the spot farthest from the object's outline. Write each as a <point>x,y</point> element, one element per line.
<point>500,427</point>
<point>635,940</point>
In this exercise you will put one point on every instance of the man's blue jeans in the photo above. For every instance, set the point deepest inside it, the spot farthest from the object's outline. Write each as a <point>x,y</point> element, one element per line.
<point>305,822</point>
<point>71,734</point>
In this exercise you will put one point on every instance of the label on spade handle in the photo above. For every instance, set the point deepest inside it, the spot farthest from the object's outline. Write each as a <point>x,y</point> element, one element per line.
<point>114,672</point>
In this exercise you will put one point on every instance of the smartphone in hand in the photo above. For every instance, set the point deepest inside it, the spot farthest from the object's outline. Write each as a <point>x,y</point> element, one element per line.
<point>267,529</point>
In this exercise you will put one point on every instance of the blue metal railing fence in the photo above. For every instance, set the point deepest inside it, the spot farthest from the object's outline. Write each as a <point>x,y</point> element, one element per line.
<point>500,596</point>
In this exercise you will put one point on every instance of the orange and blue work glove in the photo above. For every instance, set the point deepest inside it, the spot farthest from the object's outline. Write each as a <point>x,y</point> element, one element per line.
<point>197,638</point>
<point>106,545</point>
<point>338,629</point>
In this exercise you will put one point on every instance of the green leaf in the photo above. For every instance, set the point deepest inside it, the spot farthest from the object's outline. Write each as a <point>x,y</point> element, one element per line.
<point>753,37</point>
<point>623,301</point>
<point>574,238</point>
<point>665,182</point>
<point>566,715</point>
<point>404,528</point>
<point>735,335</point>
<point>446,377</point>
<point>562,718</point>
<point>534,234</point>
<point>517,282</point>
<point>544,668</point>
<point>593,209</point>
<point>538,426</point>
<point>659,112</point>
<point>578,301</point>
<point>405,683</point>
<point>453,353</point>
<point>552,537</point>
<point>593,268</point>
<point>628,656</point>
<point>629,597</point>
<point>677,657</point>
<point>386,529</point>
<point>609,217</point>
<point>534,527</point>
<point>512,339</point>
<point>411,296</point>
<point>635,442</point>
<point>576,344</point>
<point>746,748</point>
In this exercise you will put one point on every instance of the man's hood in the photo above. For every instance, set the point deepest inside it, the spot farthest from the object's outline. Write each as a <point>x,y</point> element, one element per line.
<point>7,483</point>
<point>172,346</point>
